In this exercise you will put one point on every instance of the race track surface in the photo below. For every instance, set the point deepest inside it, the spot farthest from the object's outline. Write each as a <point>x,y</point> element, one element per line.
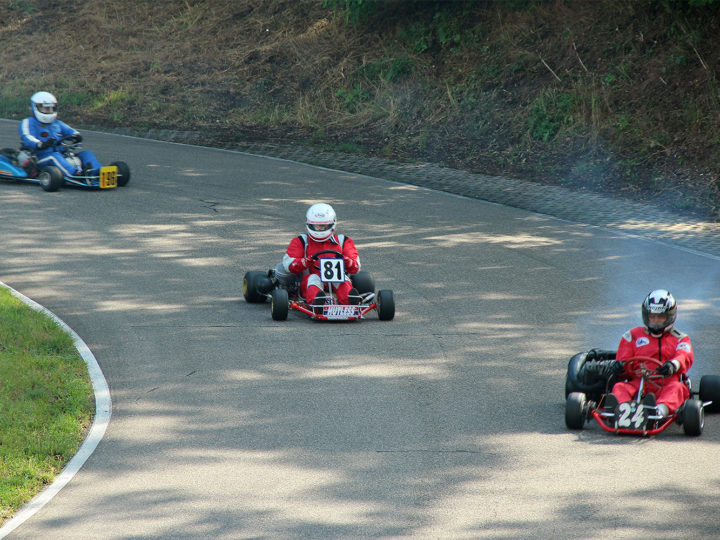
<point>446,422</point>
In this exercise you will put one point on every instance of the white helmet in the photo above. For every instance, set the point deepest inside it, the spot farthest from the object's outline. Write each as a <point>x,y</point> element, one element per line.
<point>44,107</point>
<point>320,221</point>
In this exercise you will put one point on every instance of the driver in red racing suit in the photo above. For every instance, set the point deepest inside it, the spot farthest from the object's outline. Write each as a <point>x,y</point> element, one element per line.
<point>320,222</point>
<point>657,339</point>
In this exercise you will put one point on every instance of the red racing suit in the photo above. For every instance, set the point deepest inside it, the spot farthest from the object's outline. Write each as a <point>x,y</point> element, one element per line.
<point>672,345</point>
<point>304,246</point>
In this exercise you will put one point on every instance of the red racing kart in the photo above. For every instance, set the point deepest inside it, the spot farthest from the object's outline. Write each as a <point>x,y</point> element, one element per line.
<point>259,286</point>
<point>585,392</point>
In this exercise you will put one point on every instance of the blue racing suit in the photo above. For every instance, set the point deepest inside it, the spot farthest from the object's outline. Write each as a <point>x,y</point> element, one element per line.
<point>32,133</point>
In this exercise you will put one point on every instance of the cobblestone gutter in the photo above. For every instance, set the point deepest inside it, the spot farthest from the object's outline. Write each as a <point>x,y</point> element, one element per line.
<point>580,207</point>
<point>622,216</point>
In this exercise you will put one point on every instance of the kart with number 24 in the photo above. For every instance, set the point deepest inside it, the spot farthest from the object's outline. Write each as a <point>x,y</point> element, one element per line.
<point>586,390</point>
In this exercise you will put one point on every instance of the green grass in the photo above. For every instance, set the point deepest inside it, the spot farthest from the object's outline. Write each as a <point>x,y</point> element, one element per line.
<point>46,402</point>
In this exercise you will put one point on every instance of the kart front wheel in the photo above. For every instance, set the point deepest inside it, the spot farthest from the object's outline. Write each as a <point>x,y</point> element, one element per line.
<point>710,391</point>
<point>51,178</point>
<point>251,281</point>
<point>575,410</point>
<point>693,417</point>
<point>279,305</point>
<point>385,305</point>
<point>123,173</point>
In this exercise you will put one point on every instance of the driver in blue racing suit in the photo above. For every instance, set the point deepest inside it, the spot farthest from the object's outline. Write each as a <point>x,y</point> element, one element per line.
<point>41,132</point>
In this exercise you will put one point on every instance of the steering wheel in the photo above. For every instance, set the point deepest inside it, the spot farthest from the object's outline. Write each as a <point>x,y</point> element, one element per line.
<point>316,256</point>
<point>643,366</point>
<point>68,140</point>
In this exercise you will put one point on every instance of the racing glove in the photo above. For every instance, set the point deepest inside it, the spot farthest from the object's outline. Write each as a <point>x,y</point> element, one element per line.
<point>300,264</point>
<point>42,145</point>
<point>351,265</point>
<point>670,367</point>
<point>78,137</point>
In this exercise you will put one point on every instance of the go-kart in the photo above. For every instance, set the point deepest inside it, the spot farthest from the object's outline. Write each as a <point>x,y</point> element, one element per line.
<point>586,389</point>
<point>259,286</point>
<point>22,165</point>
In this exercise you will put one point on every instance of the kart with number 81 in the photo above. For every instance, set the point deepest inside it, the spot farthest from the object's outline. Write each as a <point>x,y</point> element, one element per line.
<point>259,286</point>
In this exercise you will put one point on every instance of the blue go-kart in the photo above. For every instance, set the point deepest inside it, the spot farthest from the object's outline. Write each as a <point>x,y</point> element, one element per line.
<point>22,165</point>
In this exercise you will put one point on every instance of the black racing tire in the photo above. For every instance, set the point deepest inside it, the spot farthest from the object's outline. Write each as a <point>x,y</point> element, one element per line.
<point>385,305</point>
<point>710,391</point>
<point>279,305</point>
<point>570,387</point>
<point>575,410</point>
<point>571,377</point>
<point>250,287</point>
<point>123,174</point>
<point>51,178</point>
<point>693,417</point>
<point>363,282</point>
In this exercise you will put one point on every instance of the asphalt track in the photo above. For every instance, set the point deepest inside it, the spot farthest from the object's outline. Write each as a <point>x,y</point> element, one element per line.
<point>446,422</point>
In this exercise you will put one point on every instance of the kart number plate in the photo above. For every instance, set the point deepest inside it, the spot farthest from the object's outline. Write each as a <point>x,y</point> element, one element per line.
<point>108,177</point>
<point>341,312</point>
<point>630,416</point>
<point>332,270</point>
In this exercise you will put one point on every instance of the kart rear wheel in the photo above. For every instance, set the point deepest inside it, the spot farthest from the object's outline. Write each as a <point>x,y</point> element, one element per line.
<point>570,387</point>
<point>710,391</point>
<point>51,178</point>
<point>575,410</point>
<point>123,174</point>
<point>363,282</point>
<point>693,417</point>
<point>385,305</point>
<point>250,286</point>
<point>571,377</point>
<point>279,305</point>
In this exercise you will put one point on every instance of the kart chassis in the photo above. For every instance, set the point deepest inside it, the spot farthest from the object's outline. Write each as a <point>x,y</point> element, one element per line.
<point>585,400</point>
<point>258,287</point>
<point>21,165</point>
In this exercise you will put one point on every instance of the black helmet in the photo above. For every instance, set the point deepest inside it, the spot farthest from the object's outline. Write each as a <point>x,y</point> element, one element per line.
<point>659,302</point>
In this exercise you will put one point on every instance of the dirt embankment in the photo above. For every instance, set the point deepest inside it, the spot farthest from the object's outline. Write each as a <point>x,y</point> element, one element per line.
<point>612,96</point>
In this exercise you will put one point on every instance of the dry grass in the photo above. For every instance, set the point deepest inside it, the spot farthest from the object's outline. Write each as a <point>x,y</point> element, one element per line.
<point>611,95</point>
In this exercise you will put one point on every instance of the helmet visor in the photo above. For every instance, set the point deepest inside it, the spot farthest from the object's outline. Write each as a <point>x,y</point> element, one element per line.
<point>45,108</point>
<point>319,227</point>
<point>658,321</point>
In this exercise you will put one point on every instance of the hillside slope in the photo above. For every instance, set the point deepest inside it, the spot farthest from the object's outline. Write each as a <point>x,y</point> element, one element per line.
<point>612,96</point>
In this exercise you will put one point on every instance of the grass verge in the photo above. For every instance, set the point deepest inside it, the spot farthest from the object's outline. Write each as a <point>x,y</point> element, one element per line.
<point>46,402</point>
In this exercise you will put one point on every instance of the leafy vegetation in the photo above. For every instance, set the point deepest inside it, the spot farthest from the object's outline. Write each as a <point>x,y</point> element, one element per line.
<point>617,96</point>
<point>46,402</point>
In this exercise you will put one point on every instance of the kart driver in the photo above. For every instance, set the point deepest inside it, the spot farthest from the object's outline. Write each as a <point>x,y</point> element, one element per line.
<point>659,339</point>
<point>43,130</point>
<point>320,223</point>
